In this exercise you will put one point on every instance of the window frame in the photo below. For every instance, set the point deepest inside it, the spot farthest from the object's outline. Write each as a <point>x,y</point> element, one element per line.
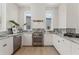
<point>27,13</point>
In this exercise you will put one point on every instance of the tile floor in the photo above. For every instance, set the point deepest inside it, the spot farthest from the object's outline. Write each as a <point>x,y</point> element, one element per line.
<point>37,51</point>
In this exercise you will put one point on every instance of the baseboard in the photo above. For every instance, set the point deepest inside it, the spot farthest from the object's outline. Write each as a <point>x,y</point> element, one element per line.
<point>27,46</point>
<point>38,46</point>
<point>48,46</point>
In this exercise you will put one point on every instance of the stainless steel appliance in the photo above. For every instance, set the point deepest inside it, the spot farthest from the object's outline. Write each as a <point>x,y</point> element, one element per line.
<point>37,38</point>
<point>16,42</point>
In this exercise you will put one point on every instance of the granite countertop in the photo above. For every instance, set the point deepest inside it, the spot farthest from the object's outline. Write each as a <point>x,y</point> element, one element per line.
<point>73,39</point>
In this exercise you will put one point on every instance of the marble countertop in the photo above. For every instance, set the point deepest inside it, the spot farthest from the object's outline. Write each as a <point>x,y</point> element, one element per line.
<point>73,39</point>
<point>6,35</point>
<point>9,35</point>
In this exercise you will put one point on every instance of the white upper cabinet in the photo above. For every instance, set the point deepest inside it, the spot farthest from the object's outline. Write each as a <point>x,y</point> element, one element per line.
<point>72,15</point>
<point>69,15</point>
<point>62,45</point>
<point>62,16</point>
<point>2,17</point>
<point>0,12</point>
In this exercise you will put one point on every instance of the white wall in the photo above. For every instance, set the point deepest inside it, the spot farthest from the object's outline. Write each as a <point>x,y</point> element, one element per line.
<point>54,21</point>
<point>42,24</point>
<point>12,13</point>
<point>21,14</point>
<point>38,13</point>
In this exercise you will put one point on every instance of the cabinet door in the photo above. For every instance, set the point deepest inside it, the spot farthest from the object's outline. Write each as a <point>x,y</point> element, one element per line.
<point>48,39</point>
<point>62,45</point>
<point>54,39</point>
<point>66,47</point>
<point>6,46</point>
<point>75,49</point>
<point>17,42</point>
<point>10,45</point>
<point>57,42</point>
<point>27,39</point>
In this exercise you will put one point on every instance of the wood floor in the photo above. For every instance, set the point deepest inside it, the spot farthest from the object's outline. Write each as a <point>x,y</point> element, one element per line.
<point>37,51</point>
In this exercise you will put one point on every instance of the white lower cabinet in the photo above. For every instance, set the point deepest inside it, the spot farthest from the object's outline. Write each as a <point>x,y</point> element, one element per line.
<point>6,46</point>
<point>48,39</point>
<point>27,39</point>
<point>66,47</point>
<point>75,49</point>
<point>56,42</point>
<point>62,45</point>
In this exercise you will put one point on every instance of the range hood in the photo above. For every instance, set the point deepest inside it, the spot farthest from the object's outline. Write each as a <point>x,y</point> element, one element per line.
<point>38,12</point>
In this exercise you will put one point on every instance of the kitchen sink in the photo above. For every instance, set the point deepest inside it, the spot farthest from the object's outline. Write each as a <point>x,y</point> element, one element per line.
<point>76,35</point>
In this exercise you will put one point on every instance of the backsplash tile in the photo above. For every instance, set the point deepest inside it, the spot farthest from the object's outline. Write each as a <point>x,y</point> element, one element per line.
<point>65,30</point>
<point>70,30</point>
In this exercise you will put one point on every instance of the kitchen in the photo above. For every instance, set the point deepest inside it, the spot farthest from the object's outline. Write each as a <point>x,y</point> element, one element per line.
<point>39,29</point>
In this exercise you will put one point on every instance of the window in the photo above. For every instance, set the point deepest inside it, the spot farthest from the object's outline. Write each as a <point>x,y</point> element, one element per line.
<point>27,21</point>
<point>48,23</point>
<point>48,20</point>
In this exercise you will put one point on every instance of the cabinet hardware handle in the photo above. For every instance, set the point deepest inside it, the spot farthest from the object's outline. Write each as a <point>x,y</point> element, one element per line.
<point>4,45</point>
<point>58,41</point>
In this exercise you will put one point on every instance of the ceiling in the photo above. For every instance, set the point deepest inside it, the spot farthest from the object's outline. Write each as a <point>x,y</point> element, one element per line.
<point>45,4</point>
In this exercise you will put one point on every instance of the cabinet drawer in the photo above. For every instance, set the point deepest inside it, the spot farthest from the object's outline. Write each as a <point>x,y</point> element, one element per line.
<point>75,49</point>
<point>6,46</point>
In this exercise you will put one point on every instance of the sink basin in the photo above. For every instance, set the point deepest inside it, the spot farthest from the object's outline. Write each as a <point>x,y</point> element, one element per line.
<point>72,35</point>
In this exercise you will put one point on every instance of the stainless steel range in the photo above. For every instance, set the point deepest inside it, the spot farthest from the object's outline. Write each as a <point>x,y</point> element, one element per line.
<point>37,37</point>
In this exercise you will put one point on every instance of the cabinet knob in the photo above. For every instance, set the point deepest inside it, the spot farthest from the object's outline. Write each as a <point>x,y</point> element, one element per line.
<point>4,45</point>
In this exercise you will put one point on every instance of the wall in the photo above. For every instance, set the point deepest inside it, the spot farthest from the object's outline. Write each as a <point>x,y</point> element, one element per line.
<point>38,13</point>
<point>12,13</point>
<point>54,21</point>
<point>21,15</point>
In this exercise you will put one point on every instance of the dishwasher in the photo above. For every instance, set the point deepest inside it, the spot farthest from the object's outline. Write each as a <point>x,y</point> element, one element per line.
<point>17,39</point>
